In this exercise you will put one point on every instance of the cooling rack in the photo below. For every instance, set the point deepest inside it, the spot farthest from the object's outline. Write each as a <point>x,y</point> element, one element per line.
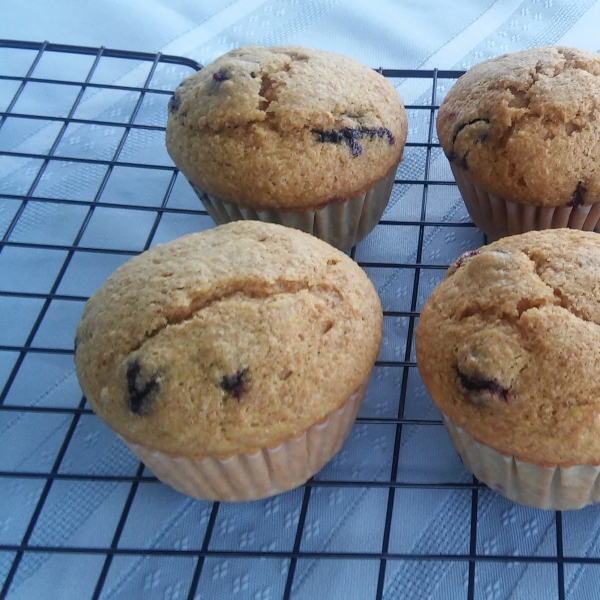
<point>85,183</point>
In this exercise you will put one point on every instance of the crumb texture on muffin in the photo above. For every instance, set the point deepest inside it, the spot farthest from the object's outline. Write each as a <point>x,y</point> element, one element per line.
<point>285,127</point>
<point>508,346</point>
<point>526,126</point>
<point>227,340</point>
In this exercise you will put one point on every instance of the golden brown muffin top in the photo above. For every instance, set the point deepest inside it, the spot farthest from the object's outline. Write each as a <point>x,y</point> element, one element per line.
<point>508,346</point>
<point>526,126</point>
<point>285,127</point>
<point>227,340</point>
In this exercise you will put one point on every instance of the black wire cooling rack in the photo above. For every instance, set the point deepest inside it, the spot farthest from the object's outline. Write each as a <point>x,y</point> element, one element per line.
<point>59,240</point>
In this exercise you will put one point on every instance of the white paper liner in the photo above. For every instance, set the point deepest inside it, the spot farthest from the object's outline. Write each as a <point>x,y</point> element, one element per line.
<point>260,474</point>
<point>552,488</point>
<point>341,224</point>
<point>498,217</point>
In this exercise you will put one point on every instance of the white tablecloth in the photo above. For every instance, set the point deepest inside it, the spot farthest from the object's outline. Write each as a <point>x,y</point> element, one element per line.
<point>380,33</point>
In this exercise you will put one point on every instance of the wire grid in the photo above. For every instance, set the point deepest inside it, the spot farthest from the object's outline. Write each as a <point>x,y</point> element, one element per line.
<point>376,562</point>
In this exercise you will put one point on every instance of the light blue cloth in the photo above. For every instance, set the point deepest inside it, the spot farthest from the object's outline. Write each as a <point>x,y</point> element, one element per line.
<point>415,35</point>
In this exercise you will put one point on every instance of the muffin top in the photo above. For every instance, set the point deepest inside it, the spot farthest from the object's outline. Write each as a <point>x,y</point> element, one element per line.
<point>285,127</point>
<point>508,346</point>
<point>227,340</point>
<point>525,126</point>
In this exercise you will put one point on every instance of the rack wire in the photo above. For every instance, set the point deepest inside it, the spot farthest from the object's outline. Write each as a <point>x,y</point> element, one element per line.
<point>45,277</point>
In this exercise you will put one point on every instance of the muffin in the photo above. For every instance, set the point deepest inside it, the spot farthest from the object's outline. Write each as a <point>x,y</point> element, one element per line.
<point>289,135</point>
<point>232,362</point>
<point>508,347</point>
<point>521,134</point>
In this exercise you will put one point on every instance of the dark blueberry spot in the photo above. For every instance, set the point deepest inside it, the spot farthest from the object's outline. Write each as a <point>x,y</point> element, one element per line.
<point>253,75</point>
<point>235,385</point>
<point>463,125</point>
<point>141,393</point>
<point>464,256</point>
<point>475,383</point>
<point>333,137</point>
<point>380,132</point>
<point>219,76</point>
<point>355,147</point>
<point>174,104</point>
<point>450,155</point>
<point>350,137</point>
<point>578,196</point>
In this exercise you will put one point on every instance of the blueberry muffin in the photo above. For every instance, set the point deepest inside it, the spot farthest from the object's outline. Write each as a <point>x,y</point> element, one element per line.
<point>508,347</point>
<point>301,137</point>
<point>232,362</point>
<point>523,141</point>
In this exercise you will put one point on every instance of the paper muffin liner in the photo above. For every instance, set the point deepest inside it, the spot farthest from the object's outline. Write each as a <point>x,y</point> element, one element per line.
<point>263,472</point>
<point>498,217</point>
<point>342,224</point>
<point>552,488</point>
